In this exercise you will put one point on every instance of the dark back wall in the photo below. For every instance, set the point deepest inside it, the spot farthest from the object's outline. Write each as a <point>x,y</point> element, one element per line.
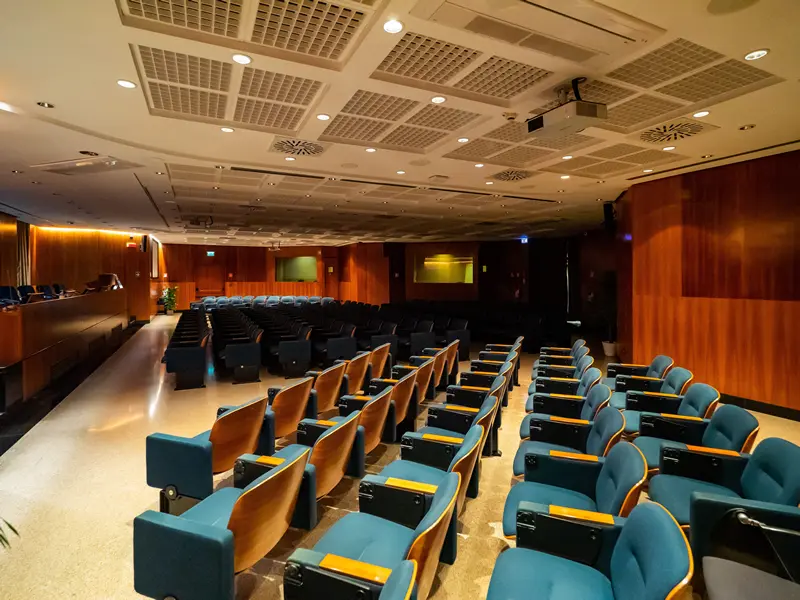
<point>8,250</point>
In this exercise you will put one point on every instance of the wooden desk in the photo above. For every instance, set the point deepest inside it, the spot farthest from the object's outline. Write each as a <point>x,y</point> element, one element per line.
<point>49,338</point>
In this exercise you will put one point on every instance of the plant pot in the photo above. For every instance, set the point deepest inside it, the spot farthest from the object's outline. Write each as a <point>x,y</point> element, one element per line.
<point>170,311</point>
<point>610,349</point>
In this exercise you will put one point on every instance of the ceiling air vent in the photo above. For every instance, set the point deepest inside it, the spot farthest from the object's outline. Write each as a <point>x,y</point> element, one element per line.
<point>674,130</point>
<point>512,175</point>
<point>297,147</point>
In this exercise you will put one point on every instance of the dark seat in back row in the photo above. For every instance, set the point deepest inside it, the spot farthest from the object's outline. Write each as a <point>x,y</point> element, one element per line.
<point>186,353</point>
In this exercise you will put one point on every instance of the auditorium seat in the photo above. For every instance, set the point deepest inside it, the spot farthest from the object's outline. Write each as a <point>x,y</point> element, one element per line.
<point>9,295</point>
<point>770,474</point>
<point>358,372</point>
<point>699,401</point>
<point>186,353</point>
<point>568,371</point>
<point>183,468</point>
<point>59,289</point>
<point>25,291</point>
<point>424,372</point>
<point>675,382</point>
<point>730,428</point>
<point>658,368</point>
<point>197,554</point>
<point>643,557</point>
<point>563,385</point>
<point>46,291</point>
<point>259,301</point>
<point>379,358</point>
<point>329,386</point>
<point>337,558</point>
<point>571,406</point>
<point>314,300</point>
<point>610,484</point>
<point>373,417</point>
<point>568,360</point>
<point>572,435</point>
<point>402,410</point>
<point>248,300</point>
<point>287,301</point>
<point>273,301</point>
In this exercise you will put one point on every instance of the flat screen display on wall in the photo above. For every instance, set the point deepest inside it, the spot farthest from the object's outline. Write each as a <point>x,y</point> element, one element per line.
<point>443,268</point>
<point>296,268</point>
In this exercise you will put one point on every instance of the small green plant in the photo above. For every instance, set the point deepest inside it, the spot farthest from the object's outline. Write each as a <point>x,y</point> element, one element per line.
<point>4,542</point>
<point>170,297</point>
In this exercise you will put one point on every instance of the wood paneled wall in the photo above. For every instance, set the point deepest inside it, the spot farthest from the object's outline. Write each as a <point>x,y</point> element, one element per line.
<point>441,291</point>
<point>715,275</point>
<point>8,250</point>
<point>506,276</point>
<point>74,257</point>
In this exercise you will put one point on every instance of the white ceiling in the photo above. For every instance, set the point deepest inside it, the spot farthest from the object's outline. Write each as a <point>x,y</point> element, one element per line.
<point>653,63</point>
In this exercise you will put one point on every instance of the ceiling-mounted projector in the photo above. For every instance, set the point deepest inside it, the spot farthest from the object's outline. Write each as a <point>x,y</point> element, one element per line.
<point>571,117</point>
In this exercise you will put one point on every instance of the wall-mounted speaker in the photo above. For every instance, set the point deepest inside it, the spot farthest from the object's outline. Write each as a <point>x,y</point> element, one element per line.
<point>609,217</point>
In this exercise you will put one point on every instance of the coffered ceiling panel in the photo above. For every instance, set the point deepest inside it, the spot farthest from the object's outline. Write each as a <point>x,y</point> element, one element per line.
<point>427,59</point>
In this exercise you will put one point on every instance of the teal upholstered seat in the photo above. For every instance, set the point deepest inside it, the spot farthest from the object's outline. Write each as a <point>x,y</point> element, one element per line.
<point>588,377</point>
<point>609,486</point>
<point>772,474</point>
<point>576,372</point>
<point>730,428</point>
<point>699,401</point>
<point>364,537</point>
<point>673,383</point>
<point>216,509</point>
<point>657,368</point>
<point>603,433</point>
<point>594,401</point>
<point>550,351</point>
<point>650,561</point>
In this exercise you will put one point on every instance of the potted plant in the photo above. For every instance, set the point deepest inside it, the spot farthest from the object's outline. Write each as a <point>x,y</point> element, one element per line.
<point>170,299</point>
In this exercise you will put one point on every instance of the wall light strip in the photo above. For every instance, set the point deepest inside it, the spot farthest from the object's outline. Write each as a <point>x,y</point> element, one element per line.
<point>79,230</point>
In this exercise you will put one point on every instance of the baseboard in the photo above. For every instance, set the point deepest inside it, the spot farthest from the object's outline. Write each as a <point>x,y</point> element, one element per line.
<point>763,407</point>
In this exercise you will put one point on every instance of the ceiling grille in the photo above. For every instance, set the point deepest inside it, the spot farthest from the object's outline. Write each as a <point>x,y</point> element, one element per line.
<point>521,156</point>
<point>662,64</point>
<point>413,137</point>
<point>477,150</point>
<point>220,17</point>
<point>164,65</point>
<point>675,130</point>
<point>502,78</point>
<point>378,106</point>
<point>510,132</point>
<point>640,109</point>
<point>440,117</point>
<point>188,101</point>
<point>268,114</point>
<point>279,87</point>
<point>311,27</point>
<point>513,175</point>
<point>616,151</point>
<point>427,59</point>
<point>355,128</point>
<point>720,79</point>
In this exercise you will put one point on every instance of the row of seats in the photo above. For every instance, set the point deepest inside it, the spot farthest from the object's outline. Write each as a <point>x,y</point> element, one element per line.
<point>201,538</point>
<point>237,344</point>
<point>10,295</point>
<point>213,302</point>
<point>185,355</point>
<point>574,512</point>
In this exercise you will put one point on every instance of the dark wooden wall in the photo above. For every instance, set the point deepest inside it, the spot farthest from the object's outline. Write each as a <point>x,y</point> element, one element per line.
<point>8,250</point>
<point>716,280</point>
<point>505,278</point>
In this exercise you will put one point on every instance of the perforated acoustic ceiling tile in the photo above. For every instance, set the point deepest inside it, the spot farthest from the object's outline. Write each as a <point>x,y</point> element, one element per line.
<point>640,109</point>
<point>378,106</point>
<point>720,79</point>
<point>413,137</point>
<point>173,67</point>
<point>616,151</point>
<point>502,78</point>
<point>572,141</point>
<point>510,132</point>
<point>604,168</point>
<point>521,156</point>
<point>439,117</point>
<point>570,166</point>
<point>355,128</point>
<point>187,101</point>
<point>277,86</point>
<point>662,64</point>
<point>427,59</point>
<point>651,156</point>
<point>311,27</point>
<point>477,150</point>
<point>267,114</point>
<point>220,17</point>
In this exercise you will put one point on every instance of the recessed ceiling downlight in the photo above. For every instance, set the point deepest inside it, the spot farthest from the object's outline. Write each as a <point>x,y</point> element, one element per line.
<point>567,157</point>
<point>401,172</point>
<point>438,99</point>
<point>463,140</point>
<point>242,59</point>
<point>701,114</point>
<point>565,177</point>
<point>128,85</point>
<point>393,26</point>
<point>479,166</point>
<point>647,171</point>
<point>370,150</point>
<point>668,148</point>
<point>227,129</point>
<point>323,117</point>
<point>290,158</point>
<point>46,105</point>
<point>756,54</point>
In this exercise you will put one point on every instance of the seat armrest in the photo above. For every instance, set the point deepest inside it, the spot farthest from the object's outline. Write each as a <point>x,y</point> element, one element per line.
<point>453,417</point>
<point>560,405</point>
<point>379,384</point>
<point>472,396</point>
<point>581,536</point>
<point>427,449</point>
<point>676,428</point>
<point>554,359</point>
<point>310,430</point>
<point>625,383</point>
<point>400,371</point>
<point>555,350</point>
<point>654,402</point>
<point>491,366</point>
<point>310,574</point>
<point>156,538</point>
<point>562,431</point>
<point>397,500</point>
<point>499,347</point>
<point>181,462</point>
<point>556,385</point>
<point>489,355</point>
<point>555,370</point>
<point>477,378</point>
<point>576,472</point>
<point>272,392</point>
<point>615,369</point>
<point>349,403</point>
<point>722,467</point>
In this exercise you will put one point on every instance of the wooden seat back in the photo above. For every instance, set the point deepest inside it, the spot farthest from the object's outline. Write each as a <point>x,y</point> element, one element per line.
<point>328,385</point>
<point>401,395</point>
<point>289,406</point>
<point>356,372</point>
<point>234,433</point>
<point>378,359</point>
<point>373,419</point>
<point>331,452</point>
